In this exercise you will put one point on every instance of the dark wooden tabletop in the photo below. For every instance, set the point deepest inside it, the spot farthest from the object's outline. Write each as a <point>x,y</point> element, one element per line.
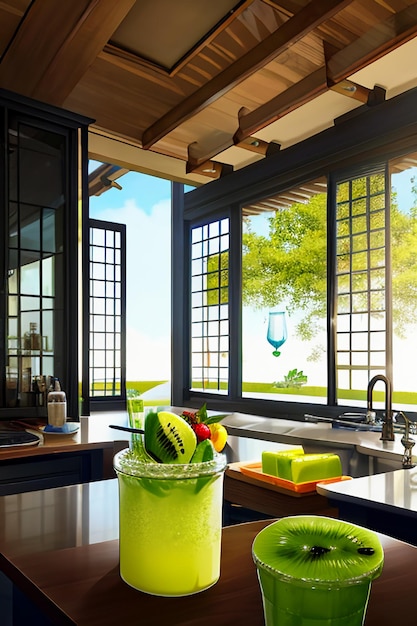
<point>65,568</point>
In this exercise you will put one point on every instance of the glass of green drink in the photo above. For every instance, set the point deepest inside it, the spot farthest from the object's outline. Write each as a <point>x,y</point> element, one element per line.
<point>316,571</point>
<point>135,410</point>
<point>170,524</point>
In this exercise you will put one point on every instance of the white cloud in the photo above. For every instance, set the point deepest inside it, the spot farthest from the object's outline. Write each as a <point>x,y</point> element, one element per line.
<point>148,279</point>
<point>147,358</point>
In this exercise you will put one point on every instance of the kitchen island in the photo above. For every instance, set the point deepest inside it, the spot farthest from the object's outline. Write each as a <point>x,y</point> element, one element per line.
<point>385,502</point>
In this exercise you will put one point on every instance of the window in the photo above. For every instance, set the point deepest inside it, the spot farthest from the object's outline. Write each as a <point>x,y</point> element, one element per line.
<point>127,328</point>
<point>107,309</point>
<point>42,152</point>
<point>322,272</point>
<point>362,283</point>
<point>210,306</point>
<point>284,301</point>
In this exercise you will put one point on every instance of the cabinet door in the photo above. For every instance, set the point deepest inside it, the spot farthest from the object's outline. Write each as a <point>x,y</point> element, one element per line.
<point>40,173</point>
<point>35,268</point>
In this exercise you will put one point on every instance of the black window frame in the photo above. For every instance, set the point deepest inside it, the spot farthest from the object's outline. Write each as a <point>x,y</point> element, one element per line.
<point>355,143</point>
<point>103,402</point>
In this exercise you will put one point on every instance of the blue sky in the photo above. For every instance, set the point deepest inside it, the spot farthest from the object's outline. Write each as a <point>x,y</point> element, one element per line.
<point>147,190</point>
<point>144,205</point>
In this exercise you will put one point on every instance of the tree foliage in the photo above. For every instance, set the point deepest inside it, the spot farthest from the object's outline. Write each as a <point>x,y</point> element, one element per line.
<point>289,265</point>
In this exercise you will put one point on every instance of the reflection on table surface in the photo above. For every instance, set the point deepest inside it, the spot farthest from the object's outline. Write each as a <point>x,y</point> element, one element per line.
<point>60,518</point>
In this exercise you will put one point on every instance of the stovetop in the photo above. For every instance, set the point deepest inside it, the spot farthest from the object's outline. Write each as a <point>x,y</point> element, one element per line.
<point>11,438</point>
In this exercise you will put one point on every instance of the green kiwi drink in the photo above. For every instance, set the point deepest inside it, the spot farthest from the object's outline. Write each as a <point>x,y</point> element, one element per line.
<point>316,571</point>
<point>170,523</point>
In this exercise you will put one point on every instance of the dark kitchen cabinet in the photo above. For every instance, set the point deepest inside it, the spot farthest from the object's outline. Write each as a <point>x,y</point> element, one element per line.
<point>43,200</point>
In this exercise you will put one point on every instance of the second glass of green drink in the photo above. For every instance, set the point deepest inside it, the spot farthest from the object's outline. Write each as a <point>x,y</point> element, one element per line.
<point>316,571</point>
<point>170,524</point>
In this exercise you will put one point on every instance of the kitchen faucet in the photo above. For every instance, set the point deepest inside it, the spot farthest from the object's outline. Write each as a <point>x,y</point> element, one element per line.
<point>387,424</point>
<point>408,443</point>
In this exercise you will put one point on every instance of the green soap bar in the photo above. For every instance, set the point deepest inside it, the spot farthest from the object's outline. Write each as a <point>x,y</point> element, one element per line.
<point>311,467</point>
<point>272,461</point>
<point>284,461</point>
<point>269,463</point>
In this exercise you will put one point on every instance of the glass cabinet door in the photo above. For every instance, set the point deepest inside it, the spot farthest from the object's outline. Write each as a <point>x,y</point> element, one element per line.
<point>35,276</point>
<point>40,217</point>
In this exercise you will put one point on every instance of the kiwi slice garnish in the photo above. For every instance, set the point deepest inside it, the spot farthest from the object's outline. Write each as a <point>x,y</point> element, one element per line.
<point>318,548</point>
<point>168,438</point>
<point>203,452</point>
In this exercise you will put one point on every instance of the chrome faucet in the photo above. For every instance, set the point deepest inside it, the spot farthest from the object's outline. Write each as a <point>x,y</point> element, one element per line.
<point>387,424</point>
<point>408,443</point>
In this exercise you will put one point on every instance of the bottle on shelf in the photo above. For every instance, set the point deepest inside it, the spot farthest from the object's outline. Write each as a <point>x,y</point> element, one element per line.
<point>35,338</point>
<point>32,339</point>
<point>57,405</point>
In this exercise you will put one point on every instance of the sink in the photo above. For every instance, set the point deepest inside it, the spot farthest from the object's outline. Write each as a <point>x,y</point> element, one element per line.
<point>352,421</point>
<point>259,424</point>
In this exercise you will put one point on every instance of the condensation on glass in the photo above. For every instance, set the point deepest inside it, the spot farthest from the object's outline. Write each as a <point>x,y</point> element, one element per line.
<point>210,306</point>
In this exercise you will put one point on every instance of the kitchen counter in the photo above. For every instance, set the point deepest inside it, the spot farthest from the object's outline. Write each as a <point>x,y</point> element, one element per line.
<point>59,555</point>
<point>385,502</point>
<point>268,499</point>
<point>93,432</point>
<point>362,452</point>
<point>59,459</point>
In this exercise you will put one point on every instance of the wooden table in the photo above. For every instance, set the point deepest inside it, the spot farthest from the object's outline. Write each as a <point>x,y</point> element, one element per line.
<point>59,547</point>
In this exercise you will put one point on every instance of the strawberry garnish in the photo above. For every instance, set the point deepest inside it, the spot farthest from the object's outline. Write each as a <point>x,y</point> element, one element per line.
<point>202,431</point>
<point>206,427</point>
<point>190,417</point>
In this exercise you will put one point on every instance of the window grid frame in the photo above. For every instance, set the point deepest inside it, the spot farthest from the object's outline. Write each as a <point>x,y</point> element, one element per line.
<point>207,240</point>
<point>107,292</point>
<point>372,364</point>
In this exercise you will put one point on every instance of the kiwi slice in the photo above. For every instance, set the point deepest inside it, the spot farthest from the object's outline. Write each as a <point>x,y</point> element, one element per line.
<point>203,452</point>
<point>168,438</point>
<point>319,548</point>
<point>316,568</point>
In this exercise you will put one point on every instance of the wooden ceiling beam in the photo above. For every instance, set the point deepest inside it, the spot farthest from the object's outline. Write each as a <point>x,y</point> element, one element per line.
<point>308,18</point>
<point>381,39</point>
<point>378,41</point>
<point>351,90</point>
<point>293,97</point>
<point>287,7</point>
<point>254,144</point>
<point>75,33</point>
<point>259,146</point>
<point>205,167</point>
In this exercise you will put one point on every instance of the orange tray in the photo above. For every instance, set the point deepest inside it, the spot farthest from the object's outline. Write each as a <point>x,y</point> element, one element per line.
<point>254,470</point>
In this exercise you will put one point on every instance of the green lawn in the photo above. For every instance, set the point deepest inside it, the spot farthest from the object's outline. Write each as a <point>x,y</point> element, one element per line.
<point>398,397</point>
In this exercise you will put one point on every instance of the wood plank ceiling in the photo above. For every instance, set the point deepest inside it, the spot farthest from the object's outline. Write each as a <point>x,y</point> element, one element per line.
<point>199,83</point>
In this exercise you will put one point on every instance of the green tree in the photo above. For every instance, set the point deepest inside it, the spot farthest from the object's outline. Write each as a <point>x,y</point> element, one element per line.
<point>290,264</point>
